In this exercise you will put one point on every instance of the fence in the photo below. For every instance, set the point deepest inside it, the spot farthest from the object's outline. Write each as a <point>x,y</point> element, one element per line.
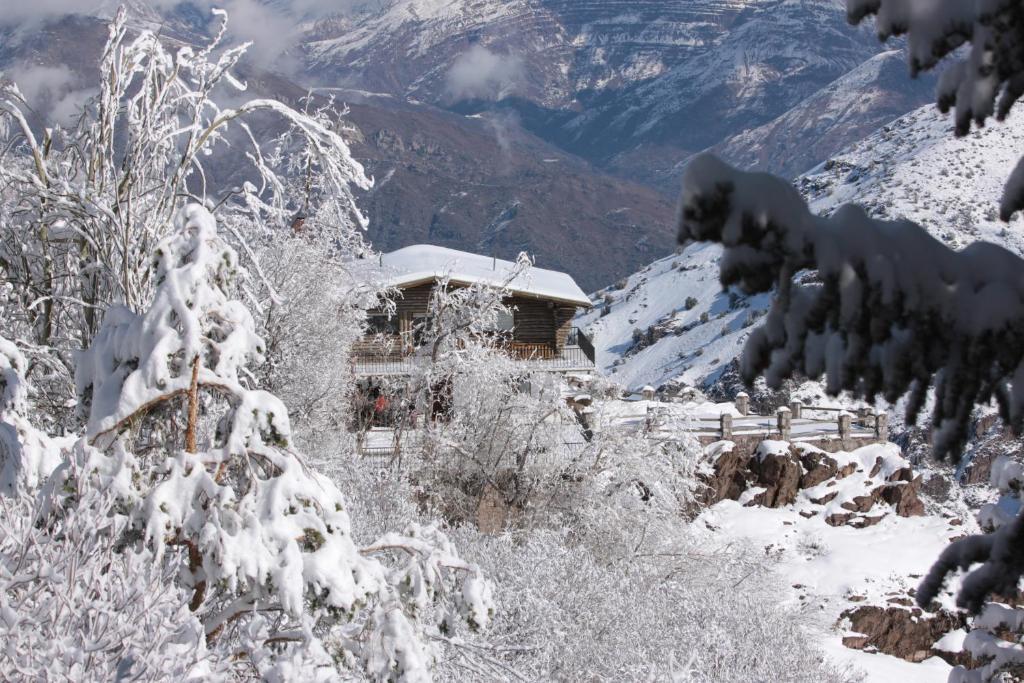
<point>793,422</point>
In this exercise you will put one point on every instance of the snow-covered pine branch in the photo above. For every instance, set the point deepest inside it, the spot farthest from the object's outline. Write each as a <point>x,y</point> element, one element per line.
<point>988,82</point>
<point>896,311</point>
<point>256,531</point>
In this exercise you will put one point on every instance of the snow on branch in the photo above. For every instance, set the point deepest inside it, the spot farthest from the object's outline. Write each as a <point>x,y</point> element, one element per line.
<point>27,456</point>
<point>254,529</point>
<point>896,310</point>
<point>988,82</point>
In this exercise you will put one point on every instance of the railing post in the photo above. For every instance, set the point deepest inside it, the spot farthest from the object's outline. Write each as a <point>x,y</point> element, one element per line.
<point>726,426</point>
<point>796,408</point>
<point>864,416</point>
<point>845,425</point>
<point>783,417</point>
<point>882,426</point>
<point>743,403</point>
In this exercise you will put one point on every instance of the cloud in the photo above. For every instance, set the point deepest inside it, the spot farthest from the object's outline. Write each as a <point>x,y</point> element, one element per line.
<point>482,74</point>
<point>53,92</point>
<point>274,26</point>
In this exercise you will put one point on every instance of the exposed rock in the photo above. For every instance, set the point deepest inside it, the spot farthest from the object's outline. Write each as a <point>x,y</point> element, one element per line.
<point>909,634</point>
<point>780,475</point>
<point>818,467</point>
<point>729,479</point>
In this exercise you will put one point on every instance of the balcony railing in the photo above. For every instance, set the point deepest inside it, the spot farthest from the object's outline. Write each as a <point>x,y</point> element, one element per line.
<point>393,360</point>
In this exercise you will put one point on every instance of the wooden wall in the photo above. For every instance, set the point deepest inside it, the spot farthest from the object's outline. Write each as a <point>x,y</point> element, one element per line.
<point>537,321</point>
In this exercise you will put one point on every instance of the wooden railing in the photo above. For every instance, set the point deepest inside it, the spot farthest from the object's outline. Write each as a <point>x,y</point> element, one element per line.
<point>386,357</point>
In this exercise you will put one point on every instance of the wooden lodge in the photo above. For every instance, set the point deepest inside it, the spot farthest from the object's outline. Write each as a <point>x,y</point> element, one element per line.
<point>539,332</point>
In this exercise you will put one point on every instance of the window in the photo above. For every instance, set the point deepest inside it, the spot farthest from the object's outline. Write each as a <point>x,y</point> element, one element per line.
<point>506,322</point>
<point>379,323</point>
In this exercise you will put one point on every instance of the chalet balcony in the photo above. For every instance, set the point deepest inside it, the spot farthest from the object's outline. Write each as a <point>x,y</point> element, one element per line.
<point>393,357</point>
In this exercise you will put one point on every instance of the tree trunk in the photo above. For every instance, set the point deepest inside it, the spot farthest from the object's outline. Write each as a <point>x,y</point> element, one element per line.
<point>195,558</point>
<point>193,408</point>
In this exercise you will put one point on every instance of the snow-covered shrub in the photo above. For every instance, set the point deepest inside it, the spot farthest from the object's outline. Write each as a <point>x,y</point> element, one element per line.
<point>27,455</point>
<point>82,209</point>
<point>204,466</point>
<point>73,606</point>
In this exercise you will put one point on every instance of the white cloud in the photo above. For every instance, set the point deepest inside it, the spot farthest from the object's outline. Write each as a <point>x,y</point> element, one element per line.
<point>53,92</point>
<point>480,73</point>
<point>274,26</point>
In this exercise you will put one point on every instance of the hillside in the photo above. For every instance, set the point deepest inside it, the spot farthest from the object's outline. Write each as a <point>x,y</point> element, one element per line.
<point>911,168</point>
<point>635,87</point>
<point>479,183</point>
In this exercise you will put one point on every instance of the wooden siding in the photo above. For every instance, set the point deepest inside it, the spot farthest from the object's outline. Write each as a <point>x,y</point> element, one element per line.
<point>538,322</point>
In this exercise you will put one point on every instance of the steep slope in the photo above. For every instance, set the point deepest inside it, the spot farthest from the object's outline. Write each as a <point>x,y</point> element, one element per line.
<point>911,168</point>
<point>635,87</point>
<point>914,168</point>
<point>852,107</point>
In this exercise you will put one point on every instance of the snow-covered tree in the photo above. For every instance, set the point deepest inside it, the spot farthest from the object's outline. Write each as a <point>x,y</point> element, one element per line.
<point>81,209</point>
<point>205,466</point>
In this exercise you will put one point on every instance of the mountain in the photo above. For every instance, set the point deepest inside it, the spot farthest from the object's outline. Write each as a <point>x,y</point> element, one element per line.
<point>477,182</point>
<point>555,126</point>
<point>850,108</point>
<point>634,87</point>
<point>671,321</point>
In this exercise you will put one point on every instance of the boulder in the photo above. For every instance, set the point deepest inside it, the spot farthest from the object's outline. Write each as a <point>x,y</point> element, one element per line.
<point>909,634</point>
<point>779,474</point>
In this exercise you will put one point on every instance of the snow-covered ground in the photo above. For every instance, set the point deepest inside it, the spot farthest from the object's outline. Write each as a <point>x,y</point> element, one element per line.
<point>699,340</point>
<point>835,568</point>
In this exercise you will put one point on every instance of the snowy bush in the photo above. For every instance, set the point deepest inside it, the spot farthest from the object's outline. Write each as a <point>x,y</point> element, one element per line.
<point>82,209</point>
<point>75,607</point>
<point>204,466</point>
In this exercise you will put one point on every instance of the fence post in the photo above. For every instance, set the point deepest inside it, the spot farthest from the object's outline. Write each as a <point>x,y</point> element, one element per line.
<point>743,403</point>
<point>648,393</point>
<point>796,407</point>
<point>783,417</point>
<point>864,416</point>
<point>726,426</point>
<point>845,425</point>
<point>882,426</point>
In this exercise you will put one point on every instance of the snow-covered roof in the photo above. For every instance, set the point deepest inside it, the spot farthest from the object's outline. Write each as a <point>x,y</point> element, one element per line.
<point>421,263</point>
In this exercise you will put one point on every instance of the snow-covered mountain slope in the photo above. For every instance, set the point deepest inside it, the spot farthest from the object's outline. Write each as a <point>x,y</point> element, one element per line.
<point>915,168</point>
<point>671,321</point>
<point>853,106</point>
<point>912,168</point>
<point>635,86</point>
